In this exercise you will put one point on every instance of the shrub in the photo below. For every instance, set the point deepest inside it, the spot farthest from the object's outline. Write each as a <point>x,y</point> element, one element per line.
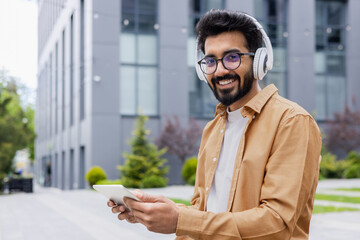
<point>330,167</point>
<point>353,161</point>
<point>94,175</point>
<point>191,180</point>
<point>109,182</point>
<point>189,170</point>
<point>153,182</point>
<point>144,160</point>
<point>2,177</point>
<point>343,133</point>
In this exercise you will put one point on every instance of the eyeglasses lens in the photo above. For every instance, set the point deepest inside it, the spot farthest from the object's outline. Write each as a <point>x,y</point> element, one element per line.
<point>231,61</point>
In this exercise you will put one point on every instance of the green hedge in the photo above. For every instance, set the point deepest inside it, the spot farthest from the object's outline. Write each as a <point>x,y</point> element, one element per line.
<point>189,170</point>
<point>109,182</point>
<point>154,181</point>
<point>331,167</point>
<point>94,175</point>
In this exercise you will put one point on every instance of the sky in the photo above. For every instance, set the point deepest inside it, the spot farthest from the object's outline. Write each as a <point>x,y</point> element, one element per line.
<point>18,40</point>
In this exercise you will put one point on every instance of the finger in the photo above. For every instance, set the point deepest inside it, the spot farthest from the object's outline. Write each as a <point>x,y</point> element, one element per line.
<point>110,203</point>
<point>127,217</point>
<point>132,204</point>
<point>145,197</point>
<point>118,209</point>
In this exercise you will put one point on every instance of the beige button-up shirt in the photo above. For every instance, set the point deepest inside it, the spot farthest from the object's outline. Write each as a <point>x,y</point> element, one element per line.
<point>274,179</point>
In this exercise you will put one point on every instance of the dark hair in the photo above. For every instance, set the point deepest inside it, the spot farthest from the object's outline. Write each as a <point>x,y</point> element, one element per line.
<point>217,21</point>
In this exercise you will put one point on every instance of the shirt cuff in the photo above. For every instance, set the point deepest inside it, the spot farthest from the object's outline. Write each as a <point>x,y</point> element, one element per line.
<point>189,222</point>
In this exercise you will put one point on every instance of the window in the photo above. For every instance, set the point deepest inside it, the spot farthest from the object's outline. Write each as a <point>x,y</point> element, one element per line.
<point>202,102</point>
<point>82,59</point>
<point>56,86</point>
<point>272,15</point>
<point>330,58</point>
<point>63,81</point>
<point>139,58</point>
<point>82,167</point>
<point>72,70</point>
<point>50,94</point>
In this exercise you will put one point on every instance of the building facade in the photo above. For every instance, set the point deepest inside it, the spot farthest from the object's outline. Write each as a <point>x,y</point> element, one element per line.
<point>101,63</point>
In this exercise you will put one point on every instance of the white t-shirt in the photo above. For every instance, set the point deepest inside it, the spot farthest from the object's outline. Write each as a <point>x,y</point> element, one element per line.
<point>220,188</point>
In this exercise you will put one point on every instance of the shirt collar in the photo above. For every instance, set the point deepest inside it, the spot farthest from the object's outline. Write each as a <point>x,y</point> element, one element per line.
<point>255,104</point>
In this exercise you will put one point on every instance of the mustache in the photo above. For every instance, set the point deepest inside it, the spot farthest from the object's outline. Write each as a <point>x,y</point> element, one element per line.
<point>225,77</point>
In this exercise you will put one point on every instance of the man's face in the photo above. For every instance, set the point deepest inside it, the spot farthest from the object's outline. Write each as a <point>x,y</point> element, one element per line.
<point>229,86</point>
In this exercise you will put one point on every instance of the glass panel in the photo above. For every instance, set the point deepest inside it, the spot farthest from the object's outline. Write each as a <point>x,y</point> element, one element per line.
<point>320,35</point>
<point>320,13</point>
<point>279,59</point>
<point>127,48</point>
<point>147,23</point>
<point>335,94</point>
<point>334,35</point>
<point>147,94</point>
<point>320,62</point>
<point>147,49</point>
<point>128,23</point>
<point>272,9</point>
<point>216,4</point>
<point>277,78</point>
<point>128,5</point>
<point>320,97</point>
<point>147,5</point>
<point>335,14</point>
<point>127,90</point>
<point>191,46</point>
<point>335,63</point>
<point>196,6</point>
<point>258,9</point>
<point>194,91</point>
<point>209,100</point>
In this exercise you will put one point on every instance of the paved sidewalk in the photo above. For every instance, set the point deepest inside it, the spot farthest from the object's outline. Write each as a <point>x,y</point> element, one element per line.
<point>335,226</point>
<point>50,213</point>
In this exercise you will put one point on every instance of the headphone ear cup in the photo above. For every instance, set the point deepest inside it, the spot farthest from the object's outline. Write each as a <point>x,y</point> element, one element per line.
<point>259,64</point>
<point>199,73</point>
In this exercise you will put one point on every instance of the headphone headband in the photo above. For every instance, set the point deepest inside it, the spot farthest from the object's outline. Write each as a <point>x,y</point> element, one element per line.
<point>263,60</point>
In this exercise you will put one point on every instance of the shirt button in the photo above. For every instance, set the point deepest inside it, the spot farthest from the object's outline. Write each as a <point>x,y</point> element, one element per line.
<point>222,130</point>
<point>207,189</point>
<point>214,159</point>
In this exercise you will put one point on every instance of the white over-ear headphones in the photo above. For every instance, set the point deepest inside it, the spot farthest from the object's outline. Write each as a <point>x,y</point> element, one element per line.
<point>263,59</point>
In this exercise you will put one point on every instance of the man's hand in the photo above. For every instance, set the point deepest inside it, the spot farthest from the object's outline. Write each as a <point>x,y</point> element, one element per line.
<point>124,214</point>
<point>157,213</point>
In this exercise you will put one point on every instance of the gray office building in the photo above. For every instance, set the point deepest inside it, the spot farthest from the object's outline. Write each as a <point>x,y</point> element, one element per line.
<point>101,63</point>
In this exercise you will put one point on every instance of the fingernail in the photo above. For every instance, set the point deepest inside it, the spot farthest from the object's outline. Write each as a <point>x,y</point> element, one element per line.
<point>138,193</point>
<point>131,214</point>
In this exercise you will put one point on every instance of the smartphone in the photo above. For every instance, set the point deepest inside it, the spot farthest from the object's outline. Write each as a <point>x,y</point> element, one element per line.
<point>116,193</point>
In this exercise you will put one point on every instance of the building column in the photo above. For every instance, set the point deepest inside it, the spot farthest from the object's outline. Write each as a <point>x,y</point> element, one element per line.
<point>353,54</point>
<point>301,42</point>
<point>105,91</point>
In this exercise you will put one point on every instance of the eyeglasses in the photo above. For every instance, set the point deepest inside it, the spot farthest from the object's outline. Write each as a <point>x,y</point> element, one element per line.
<point>230,61</point>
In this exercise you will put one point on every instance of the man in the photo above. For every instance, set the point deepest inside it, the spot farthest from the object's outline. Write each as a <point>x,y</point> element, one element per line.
<point>258,161</point>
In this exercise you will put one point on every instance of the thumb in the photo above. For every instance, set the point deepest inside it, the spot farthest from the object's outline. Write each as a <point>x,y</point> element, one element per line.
<point>145,197</point>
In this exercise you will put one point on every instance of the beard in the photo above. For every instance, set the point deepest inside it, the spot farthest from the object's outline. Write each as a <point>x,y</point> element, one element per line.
<point>225,96</point>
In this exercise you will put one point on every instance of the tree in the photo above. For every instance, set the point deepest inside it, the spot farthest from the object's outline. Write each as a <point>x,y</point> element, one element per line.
<point>182,142</point>
<point>144,163</point>
<point>343,133</point>
<point>16,124</point>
